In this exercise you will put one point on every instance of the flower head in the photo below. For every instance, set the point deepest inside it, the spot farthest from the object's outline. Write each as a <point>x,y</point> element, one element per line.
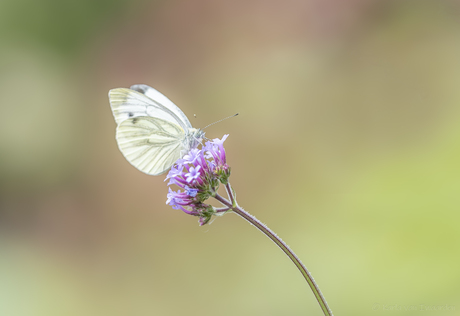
<point>199,174</point>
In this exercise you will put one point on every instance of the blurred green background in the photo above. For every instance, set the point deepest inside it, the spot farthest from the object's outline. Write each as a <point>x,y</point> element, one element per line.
<point>347,145</point>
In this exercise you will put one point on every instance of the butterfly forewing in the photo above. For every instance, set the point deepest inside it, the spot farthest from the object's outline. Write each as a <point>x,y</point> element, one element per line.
<point>127,103</point>
<point>159,98</point>
<point>150,144</point>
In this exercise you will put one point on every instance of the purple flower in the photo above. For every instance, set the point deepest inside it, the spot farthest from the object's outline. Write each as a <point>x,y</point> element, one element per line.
<point>175,172</point>
<point>215,150</point>
<point>172,196</point>
<point>191,192</point>
<point>199,174</point>
<point>191,156</point>
<point>220,142</point>
<point>193,174</point>
<point>210,150</point>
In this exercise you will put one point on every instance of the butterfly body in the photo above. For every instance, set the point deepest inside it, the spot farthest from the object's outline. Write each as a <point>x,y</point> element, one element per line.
<point>152,132</point>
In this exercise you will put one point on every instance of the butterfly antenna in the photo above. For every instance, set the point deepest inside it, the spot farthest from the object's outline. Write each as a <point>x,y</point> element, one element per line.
<point>221,120</point>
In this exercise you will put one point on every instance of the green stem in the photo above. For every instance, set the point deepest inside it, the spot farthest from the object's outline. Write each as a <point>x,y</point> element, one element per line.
<point>280,243</point>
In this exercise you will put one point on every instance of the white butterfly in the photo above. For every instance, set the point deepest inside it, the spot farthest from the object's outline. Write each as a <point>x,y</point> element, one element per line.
<point>152,133</point>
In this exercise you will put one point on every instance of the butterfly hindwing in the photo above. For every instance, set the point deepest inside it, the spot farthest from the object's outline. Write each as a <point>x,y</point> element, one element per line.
<point>150,144</point>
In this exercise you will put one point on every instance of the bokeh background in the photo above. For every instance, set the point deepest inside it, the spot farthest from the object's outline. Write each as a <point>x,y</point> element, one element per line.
<point>347,145</point>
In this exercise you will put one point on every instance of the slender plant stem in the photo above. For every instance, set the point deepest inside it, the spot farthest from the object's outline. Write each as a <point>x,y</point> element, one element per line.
<point>280,243</point>
<point>229,190</point>
<point>222,210</point>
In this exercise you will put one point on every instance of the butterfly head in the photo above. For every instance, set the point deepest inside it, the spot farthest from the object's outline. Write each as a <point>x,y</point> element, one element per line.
<point>194,137</point>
